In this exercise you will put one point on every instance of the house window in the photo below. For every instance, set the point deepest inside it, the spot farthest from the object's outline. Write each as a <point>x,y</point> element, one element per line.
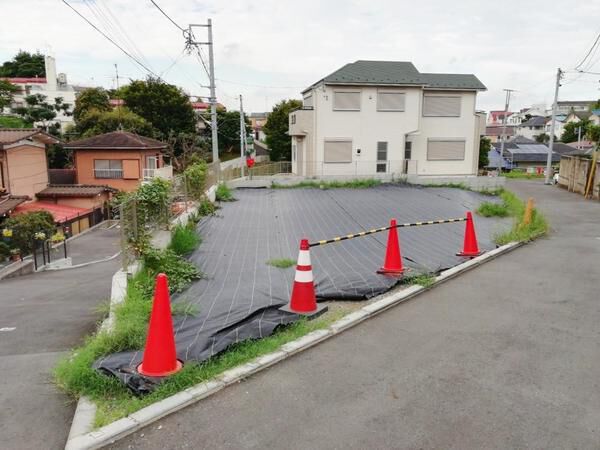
<point>390,101</point>
<point>441,106</point>
<point>293,119</point>
<point>382,150</point>
<point>108,168</point>
<point>293,152</point>
<point>445,150</point>
<point>308,101</point>
<point>338,151</point>
<point>346,101</point>
<point>408,150</point>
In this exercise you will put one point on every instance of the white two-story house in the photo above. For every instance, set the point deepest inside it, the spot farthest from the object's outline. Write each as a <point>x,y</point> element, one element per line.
<point>385,117</point>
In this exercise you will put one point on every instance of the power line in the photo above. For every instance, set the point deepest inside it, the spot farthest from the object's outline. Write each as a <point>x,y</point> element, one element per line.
<point>589,52</point>
<point>167,16</point>
<point>260,85</point>
<point>110,40</point>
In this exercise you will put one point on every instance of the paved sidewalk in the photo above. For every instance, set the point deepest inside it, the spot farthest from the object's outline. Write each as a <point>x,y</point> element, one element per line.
<point>95,245</point>
<point>42,316</point>
<point>505,356</point>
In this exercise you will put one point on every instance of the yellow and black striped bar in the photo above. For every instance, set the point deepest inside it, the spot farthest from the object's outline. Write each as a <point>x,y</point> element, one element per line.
<point>377,230</point>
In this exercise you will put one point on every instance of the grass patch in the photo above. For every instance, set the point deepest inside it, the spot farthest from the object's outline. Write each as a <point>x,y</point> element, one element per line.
<point>424,279</point>
<point>489,209</point>
<point>523,175</point>
<point>335,184</point>
<point>115,401</point>
<point>184,240</point>
<point>520,231</point>
<point>449,185</point>
<point>223,193</point>
<point>281,263</point>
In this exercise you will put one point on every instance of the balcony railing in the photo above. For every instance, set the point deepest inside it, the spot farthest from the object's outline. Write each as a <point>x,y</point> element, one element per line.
<point>165,172</point>
<point>108,173</point>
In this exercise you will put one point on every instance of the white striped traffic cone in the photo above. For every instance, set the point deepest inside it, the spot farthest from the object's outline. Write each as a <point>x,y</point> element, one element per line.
<point>303,300</point>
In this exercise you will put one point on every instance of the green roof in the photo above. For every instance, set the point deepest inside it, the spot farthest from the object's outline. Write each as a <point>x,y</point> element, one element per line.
<point>401,73</point>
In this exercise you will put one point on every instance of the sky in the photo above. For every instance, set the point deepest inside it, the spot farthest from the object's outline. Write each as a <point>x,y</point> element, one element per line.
<point>270,50</point>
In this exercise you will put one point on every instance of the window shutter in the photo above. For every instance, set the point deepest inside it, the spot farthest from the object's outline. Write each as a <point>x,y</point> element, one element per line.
<point>390,101</point>
<point>346,101</point>
<point>131,169</point>
<point>338,151</point>
<point>308,101</point>
<point>441,106</point>
<point>445,150</point>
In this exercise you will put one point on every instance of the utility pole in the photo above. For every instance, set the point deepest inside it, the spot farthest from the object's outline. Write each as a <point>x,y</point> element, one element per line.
<point>506,103</point>
<point>548,180</point>
<point>211,75</point>
<point>242,133</point>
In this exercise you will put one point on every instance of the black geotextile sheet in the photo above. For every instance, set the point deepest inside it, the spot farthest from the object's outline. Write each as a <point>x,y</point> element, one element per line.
<point>239,295</point>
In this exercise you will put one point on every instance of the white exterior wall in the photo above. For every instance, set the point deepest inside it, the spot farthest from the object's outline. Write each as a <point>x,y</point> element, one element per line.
<point>463,127</point>
<point>52,90</point>
<point>365,128</point>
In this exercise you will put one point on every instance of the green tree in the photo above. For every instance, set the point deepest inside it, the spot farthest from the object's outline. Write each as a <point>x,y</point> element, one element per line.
<point>24,227</point>
<point>7,89</point>
<point>595,105</point>
<point>97,122</point>
<point>163,105</point>
<point>276,129</point>
<point>570,132</point>
<point>485,145</point>
<point>36,109</point>
<point>229,130</point>
<point>593,133</point>
<point>542,138</point>
<point>88,99</point>
<point>24,64</point>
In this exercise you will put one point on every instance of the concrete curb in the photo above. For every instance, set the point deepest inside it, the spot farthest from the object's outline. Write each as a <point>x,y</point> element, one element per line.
<point>89,263</point>
<point>128,425</point>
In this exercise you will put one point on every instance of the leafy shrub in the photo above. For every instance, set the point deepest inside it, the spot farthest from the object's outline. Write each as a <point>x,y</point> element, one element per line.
<point>153,199</point>
<point>195,178</point>
<point>25,226</point>
<point>184,240</point>
<point>223,193</point>
<point>4,250</point>
<point>206,208</point>
<point>179,271</point>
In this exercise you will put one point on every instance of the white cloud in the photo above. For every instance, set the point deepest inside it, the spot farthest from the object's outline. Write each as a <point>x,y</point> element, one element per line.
<point>280,43</point>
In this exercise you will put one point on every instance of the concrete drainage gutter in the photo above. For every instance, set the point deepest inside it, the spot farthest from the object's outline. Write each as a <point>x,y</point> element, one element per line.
<point>82,436</point>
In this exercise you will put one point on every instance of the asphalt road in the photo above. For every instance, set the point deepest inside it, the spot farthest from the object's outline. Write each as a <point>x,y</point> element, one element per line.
<point>41,317</point>
<point>505,356</point>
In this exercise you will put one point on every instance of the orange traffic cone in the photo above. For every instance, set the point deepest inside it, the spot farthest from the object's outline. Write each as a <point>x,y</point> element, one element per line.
<point>393,258</point>
<point>470,247</point>
<point>160,356</point>
<point>304,300</point>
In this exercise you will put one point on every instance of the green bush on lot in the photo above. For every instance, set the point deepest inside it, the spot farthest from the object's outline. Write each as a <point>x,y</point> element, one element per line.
<point>206,208</point>
<point>195,177</point>
<point>179,271</point>
<point>24,228</point>
<point>184,239</point>
<point>223,193</point>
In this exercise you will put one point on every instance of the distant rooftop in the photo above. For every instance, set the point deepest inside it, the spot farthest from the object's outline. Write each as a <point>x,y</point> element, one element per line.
<point>117,140</point>
<point>398,73</point>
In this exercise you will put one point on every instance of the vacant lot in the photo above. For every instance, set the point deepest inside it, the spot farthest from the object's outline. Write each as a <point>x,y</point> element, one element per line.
<point>241,292</point>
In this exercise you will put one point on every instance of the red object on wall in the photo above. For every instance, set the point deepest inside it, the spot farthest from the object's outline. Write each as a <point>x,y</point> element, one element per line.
<point>250,162</point>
